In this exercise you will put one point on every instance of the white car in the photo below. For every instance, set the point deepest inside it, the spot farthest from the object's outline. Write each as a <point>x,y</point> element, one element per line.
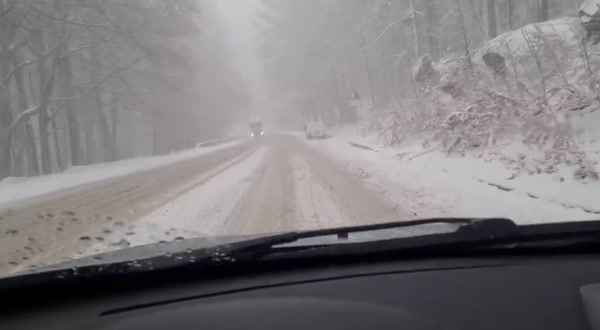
<point>316,130</point>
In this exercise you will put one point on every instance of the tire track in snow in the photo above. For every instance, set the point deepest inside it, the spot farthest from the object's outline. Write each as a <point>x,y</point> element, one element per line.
<point>299,189</point>
<point>55,226</point>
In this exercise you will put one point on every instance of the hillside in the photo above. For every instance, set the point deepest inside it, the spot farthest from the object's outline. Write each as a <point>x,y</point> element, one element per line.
<point>527,99</point>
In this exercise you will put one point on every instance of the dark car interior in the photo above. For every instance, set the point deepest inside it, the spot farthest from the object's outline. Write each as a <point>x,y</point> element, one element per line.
<point>477,291</point>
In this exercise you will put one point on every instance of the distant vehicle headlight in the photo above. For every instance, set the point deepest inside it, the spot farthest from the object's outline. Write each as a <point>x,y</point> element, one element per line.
<point>262,133</point>
<point>252,134</point>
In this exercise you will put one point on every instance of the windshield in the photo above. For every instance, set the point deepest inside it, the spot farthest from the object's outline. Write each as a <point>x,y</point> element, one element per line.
<point>127,123</point>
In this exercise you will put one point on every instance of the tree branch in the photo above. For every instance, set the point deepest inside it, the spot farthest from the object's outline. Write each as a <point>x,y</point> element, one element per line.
<point>391,25</point>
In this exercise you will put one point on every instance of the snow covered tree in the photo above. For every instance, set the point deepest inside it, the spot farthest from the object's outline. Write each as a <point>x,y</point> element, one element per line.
<point>87,81</point>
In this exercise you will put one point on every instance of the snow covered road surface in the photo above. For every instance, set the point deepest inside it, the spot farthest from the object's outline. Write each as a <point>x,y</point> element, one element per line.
<point>259,186</point>
<point>296,188</point>
<point>274,184</point>
<point>54,226</point>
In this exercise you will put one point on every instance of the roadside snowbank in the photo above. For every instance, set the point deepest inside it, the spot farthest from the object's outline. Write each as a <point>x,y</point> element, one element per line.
<point>536,86</point>
<point>14,189</point>
<point>512,130</point>
<point>439,186</point>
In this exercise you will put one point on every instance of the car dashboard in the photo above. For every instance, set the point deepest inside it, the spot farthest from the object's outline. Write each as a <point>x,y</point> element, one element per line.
<point>500,292</point>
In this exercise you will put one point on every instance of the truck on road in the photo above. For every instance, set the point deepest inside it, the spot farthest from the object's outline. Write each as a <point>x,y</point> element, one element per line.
<point>256,128</point>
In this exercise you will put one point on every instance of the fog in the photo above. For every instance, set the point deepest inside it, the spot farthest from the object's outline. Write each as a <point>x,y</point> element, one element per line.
<point>87,82</point>
<point>238,18</point>
<point>134,122</point>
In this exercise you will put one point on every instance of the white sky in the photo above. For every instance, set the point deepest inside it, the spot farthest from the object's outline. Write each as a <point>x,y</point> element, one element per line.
<point>238,17</point>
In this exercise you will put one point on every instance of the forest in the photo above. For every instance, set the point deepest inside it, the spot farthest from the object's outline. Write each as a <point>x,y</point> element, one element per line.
<point>316,52</point>
<point>92,81</point>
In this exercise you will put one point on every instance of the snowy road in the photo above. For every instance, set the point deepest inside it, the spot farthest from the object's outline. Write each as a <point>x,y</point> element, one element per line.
<point>297,188</point>
<point>276,184</point>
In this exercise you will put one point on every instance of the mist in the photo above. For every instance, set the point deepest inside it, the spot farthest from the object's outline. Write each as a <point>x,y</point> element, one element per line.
<point>86,82</point>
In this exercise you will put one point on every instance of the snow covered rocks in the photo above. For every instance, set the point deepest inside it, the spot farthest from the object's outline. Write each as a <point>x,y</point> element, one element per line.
<point>589,14</point>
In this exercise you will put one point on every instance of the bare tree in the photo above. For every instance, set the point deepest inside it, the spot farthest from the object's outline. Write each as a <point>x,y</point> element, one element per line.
<point>543,10</point>
<point>432,31</point>
<point>491,19</point>
<point>77,78</point>
<point>510,14</point>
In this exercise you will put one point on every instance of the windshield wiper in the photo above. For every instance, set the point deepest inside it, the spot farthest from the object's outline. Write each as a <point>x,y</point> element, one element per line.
<point>254,249</point>
<point>482,229</point>
<point>477,236</point>
<point>245,250</point>
<point>470,234</point>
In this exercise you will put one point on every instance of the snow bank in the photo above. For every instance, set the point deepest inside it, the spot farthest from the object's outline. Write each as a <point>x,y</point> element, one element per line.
<point>428,183</point>
<point>521,113</point>
<point>529,82</point>
<point>14,189</point>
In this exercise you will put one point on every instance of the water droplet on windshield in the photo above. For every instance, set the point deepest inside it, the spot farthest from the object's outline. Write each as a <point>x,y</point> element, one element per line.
<point>189,250</point>
<point>84,238</point>
<point>179,238</point>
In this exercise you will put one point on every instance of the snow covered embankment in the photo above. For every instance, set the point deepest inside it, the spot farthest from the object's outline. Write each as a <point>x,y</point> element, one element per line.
<point>519,117</point>
<point>431,184</point>
<point>15,189</point>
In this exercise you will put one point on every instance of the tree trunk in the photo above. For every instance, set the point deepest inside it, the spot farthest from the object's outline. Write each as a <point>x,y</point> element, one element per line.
<point>5,136</point>
<point>368,69</point>
<point>510,13</point>
<point>6,115</point>
<point>491,19</point>
<point>99,116</point>
<point>44,141</point>
<point>71,115</point>
<point>65,72</point>
<point>6,119</point>
<point>46,85</point>
<point>114,116</point>
<point>33,163</point>
<point>415,30</point>
<point>464,34</point>
<point>59,159</point>
<point>543,9</point>
<point>432,32</point>
<point>30,144</point>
